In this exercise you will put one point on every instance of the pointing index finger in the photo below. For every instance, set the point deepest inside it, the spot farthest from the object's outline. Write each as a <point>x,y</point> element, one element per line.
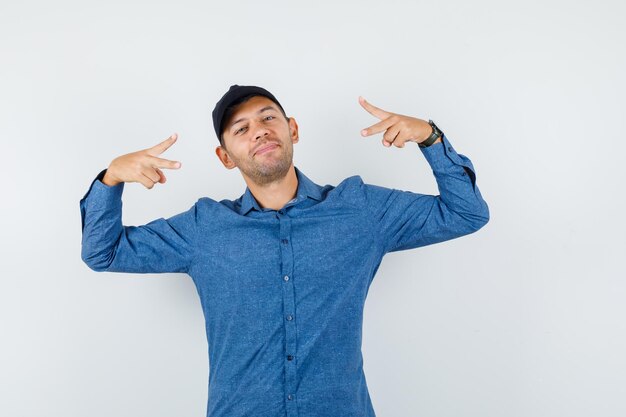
<point>164,163</point>
<point>163,146</point>
<point>375,111</point>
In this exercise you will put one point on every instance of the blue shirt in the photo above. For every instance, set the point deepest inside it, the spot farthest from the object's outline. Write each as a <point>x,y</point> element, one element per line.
<point>283,291</point>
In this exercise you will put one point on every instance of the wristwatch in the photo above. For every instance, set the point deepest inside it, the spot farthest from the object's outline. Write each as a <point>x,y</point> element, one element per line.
<point>437,133</point>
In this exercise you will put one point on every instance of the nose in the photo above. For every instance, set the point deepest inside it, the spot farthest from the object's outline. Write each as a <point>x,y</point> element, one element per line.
<point>259,130</point>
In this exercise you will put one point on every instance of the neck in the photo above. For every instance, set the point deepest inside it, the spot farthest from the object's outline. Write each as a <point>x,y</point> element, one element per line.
<point>276,194</point>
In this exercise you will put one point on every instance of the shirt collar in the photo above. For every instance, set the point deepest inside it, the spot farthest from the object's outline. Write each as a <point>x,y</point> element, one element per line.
<point>306,188</point>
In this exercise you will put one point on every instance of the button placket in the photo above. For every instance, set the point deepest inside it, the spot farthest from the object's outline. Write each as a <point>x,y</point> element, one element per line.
<point>286,256</point>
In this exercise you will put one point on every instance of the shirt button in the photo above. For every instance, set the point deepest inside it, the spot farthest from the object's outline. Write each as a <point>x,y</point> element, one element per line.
<point>289,317</point>
<point>289,357</point>
<point>281,211</point>
<point>285,241</point>
<point>286,278</point>
<point>464,174</point>
<point>450,148</point>
<point>289,397</point>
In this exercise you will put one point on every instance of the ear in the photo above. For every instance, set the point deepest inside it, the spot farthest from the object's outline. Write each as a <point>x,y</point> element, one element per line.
<point>293,130</point>
<point>222,155</point>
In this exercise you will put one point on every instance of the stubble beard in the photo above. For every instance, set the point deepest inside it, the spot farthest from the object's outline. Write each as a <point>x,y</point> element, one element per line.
<point>264,170</point>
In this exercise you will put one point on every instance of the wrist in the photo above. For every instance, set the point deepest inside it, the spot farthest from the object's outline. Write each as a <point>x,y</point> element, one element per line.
<point>108,180</point>
<point>435,136</point>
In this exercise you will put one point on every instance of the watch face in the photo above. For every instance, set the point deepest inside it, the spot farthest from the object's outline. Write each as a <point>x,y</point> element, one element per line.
<point>435,128</point>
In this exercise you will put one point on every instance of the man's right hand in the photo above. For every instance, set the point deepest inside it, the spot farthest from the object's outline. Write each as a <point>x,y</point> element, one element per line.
<point>141,166</point>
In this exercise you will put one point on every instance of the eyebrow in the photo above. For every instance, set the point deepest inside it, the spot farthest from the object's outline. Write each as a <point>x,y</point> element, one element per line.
<point>259,112</point>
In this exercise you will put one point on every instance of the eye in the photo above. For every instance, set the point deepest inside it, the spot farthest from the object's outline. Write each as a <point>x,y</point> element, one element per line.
<point>238,130</point>
<point>269,116</point>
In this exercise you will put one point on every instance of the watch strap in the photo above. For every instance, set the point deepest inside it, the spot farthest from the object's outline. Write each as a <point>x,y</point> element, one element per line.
<point>437,133</point>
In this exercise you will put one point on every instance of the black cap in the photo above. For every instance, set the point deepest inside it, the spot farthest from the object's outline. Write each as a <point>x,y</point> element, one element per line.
<point>234,93</point>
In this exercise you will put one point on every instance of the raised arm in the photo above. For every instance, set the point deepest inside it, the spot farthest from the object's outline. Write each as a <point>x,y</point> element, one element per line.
<point>163,245</point>
<point>405,219</point>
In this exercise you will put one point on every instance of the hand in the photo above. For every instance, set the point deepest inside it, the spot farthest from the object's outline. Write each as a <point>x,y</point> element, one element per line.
<point>141,166</point>
<point>399,128</point>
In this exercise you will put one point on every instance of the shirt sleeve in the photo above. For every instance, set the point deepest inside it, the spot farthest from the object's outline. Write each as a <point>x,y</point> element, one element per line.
<point>407,220</point>
<point>163,245</point>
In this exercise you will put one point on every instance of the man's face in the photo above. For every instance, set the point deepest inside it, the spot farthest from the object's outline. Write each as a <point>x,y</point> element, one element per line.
<point>259,141</point>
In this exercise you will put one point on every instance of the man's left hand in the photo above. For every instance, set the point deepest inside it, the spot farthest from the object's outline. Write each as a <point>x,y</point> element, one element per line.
<point>399,128</point>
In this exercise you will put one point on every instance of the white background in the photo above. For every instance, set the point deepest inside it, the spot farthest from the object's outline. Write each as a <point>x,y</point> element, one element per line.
<point>523,318</point>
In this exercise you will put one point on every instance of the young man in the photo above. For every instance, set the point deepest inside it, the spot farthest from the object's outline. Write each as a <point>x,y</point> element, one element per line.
<point>284,270</point>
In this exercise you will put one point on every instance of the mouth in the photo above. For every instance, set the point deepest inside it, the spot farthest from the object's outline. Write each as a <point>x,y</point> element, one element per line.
<point>266,148</point>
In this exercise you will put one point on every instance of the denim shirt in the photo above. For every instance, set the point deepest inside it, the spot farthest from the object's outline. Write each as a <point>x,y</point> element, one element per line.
<point>283,291</point>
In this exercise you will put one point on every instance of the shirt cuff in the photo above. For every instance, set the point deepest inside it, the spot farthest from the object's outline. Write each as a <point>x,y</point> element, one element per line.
<point>100,196</point>
<point>442,157</point>
<point>99,190</point>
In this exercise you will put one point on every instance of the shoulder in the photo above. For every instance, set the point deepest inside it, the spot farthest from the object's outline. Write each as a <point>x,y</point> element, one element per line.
<point>351,189</point>
<point>210,205</point>
<point>355,185</point>
<point>350,184</point>
<point>367,194</point>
